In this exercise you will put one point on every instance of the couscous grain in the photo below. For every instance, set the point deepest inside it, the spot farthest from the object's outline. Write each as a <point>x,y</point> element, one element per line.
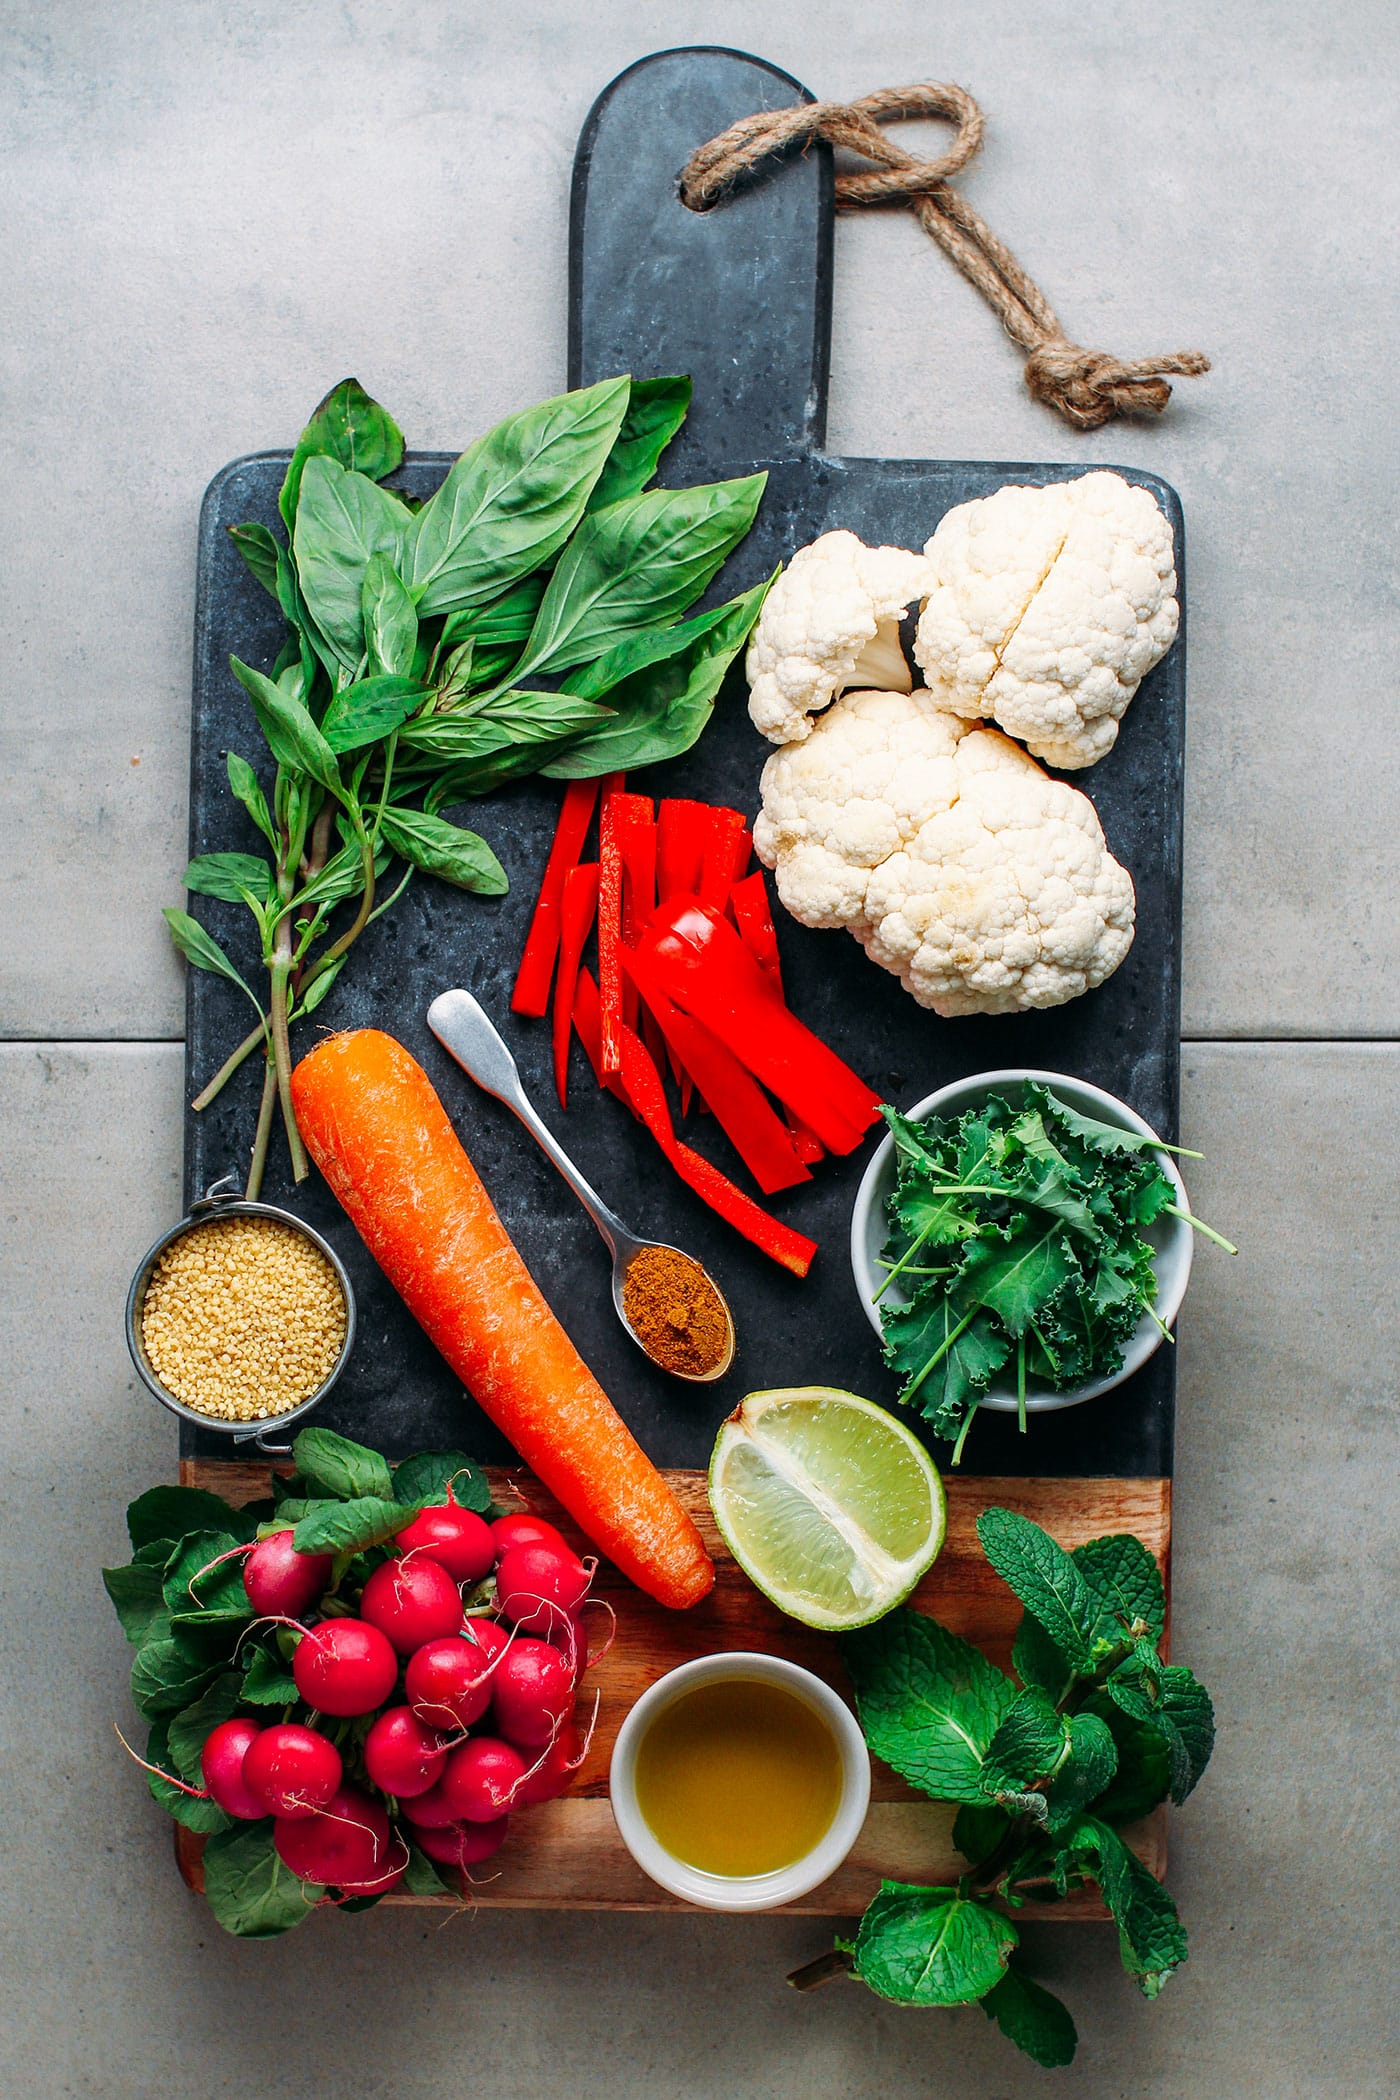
<point>243,1318</point>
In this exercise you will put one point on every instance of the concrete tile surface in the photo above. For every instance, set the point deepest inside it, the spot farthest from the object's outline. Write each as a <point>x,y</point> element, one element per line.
<point>212,214</point>
<point>120,1986</point>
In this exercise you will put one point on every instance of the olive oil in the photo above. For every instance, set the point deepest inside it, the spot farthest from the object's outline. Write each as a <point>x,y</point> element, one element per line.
<point>738,1778</point>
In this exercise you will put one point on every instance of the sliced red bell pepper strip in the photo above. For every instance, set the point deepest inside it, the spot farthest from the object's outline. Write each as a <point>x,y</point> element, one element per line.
<point>748,901</point>
<point>610,920</point>
<point>588,1023</point>
<point>575,922</point>
<point>531,993</point>
<point>725,857</point>
<point>648,1097</point>
<point>701,963</point>
<point>681,831</point>
<point>740,1106</point>
<point>636,822</point>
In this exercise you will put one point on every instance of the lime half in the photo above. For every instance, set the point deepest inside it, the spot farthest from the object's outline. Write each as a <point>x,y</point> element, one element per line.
<point>830,1506</point>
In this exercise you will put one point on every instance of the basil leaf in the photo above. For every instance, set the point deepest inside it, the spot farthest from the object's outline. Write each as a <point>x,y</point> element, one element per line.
<point>438,1477</point>
<point>230,876</point>
<point>661,703</point>
<point>656,409</point>
<point>292,737</point>
<point>202,950</point>
<point>342,521</point>
<point>508,618</point>
<point>170,1512</point>
<point>244,783</point>
<point>390,619</point>
<point>922,1946</point>
<point>441,849</point>
<point>316,991</point>
<point>348,427</point>
<point>370,709</point>
<point>333,1465</point>
<point>249,1890</point>
<point>638,564</point>
<point>349,1527</point>
<point>138,1599</point>
<point>514,717</point>
<point>512,499</point>
<point>259,550</point>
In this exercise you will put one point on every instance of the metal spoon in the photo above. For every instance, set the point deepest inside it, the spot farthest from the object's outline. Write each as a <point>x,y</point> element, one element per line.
<point>466,1032</point>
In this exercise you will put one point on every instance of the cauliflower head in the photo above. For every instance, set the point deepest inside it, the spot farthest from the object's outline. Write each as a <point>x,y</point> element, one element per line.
<point>831,620</point>
<point>1047,609</point>
<point>983,884</point>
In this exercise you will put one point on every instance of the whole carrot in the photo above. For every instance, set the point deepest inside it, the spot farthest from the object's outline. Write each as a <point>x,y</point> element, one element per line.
<point>376,1129</point>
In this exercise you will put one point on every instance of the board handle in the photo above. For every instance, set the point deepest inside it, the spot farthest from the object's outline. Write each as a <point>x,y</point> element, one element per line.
<point>739,297</point>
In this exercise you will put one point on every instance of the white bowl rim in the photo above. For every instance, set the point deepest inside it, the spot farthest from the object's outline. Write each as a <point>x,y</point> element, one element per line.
<point>1147,1338</point>
<point>756,1891</point>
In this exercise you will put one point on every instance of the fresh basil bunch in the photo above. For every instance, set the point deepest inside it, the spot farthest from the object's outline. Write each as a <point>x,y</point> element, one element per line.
<point>418,640</point>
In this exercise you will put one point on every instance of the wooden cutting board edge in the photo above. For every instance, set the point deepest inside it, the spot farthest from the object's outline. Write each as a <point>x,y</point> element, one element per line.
<point>567,1855</point>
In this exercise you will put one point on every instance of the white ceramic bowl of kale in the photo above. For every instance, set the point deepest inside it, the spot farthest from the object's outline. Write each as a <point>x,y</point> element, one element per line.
<point>1170,1238</point>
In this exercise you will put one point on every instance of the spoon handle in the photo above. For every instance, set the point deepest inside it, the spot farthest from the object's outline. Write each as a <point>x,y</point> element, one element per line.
<point>467,1033</point>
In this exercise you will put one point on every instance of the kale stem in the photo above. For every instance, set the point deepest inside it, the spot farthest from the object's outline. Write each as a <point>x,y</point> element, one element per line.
<point>1021,1382</point>
<point>230,1065</point>
<point>938,1355</point>
<point>895,1268</point>
<point>1174,1210</point>
<point>956,1459</point>
<point>258,1162</point>
<point>825,1969</point>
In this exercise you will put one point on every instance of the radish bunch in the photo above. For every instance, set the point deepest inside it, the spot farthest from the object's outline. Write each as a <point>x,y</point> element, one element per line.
<point>427,1684</point>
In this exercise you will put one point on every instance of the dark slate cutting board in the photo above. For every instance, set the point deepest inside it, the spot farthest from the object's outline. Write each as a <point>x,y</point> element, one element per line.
<point>740,297</point>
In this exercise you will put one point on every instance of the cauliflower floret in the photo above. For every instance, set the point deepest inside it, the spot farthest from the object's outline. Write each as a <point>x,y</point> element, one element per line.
<point>983,884</point>
<point>831,620</point>
<point>1048,608</point>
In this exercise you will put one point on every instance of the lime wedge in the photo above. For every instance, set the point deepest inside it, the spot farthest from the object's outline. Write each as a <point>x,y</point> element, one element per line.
<point>830,1506</point>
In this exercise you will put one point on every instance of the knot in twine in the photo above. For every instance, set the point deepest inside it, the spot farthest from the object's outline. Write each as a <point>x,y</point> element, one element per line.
<point>1086,387</point>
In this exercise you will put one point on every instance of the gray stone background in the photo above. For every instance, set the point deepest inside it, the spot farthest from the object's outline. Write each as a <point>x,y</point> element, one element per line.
<point>210,214</point>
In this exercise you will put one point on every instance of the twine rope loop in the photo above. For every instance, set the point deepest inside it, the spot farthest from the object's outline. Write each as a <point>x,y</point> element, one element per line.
<point>1086,387</point>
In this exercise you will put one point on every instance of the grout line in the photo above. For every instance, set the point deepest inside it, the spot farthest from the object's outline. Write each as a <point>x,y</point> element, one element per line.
<point>1188,1042</point>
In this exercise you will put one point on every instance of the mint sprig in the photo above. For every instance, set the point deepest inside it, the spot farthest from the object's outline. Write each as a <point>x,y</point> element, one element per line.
<point>1046,1775</point>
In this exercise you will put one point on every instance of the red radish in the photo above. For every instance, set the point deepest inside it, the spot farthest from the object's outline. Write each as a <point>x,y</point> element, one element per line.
<point>571,1639</point>
<point>462,1844</point>
<point>292,1770</point>
<point>539,1585</point>
<point>480,1779</point>
<point>489,1637</point>
<point>282,1583</point>
<point>344,1667</point>
<point>556,1773</point>
<point>411,1601</point>
<point>447,1684</point>
<point>457,1539</point>
<point>521,1529</point>
<point>221,1762</point>
<point>403,1756</point>
<point>345,1842</point>
<point>431,1811</point>
<point>533,1691</point>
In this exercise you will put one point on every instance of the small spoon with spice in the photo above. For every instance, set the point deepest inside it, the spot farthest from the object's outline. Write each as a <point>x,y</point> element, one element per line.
<point>671,1307</point>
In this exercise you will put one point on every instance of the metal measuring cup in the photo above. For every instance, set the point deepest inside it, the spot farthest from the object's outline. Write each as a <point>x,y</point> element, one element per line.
<point>223,1199</point>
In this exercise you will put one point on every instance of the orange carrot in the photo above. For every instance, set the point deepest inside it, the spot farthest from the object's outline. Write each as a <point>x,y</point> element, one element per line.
<point>379,1134</point>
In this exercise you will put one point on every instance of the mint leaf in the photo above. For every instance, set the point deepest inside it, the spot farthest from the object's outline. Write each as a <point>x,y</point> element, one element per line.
<point>978,1830</point>
<point>1143,1777</point>
<point>1033,2018</point>
<point>1030,1743</point>
<point>1187,1705</point>
<point>1045,1578</point>
<point>249,1890</point>
<point>1127,1581</point>
<point>437,1477</point>
<point>923,1946</point>
<point>1088,1768</point>
<point>332,1465</point>
<point>929,1703</point>
<point>1151,1937</point>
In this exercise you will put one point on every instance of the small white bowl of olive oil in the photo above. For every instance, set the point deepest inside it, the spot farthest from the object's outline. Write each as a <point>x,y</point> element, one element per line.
<point>739,1781</point>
